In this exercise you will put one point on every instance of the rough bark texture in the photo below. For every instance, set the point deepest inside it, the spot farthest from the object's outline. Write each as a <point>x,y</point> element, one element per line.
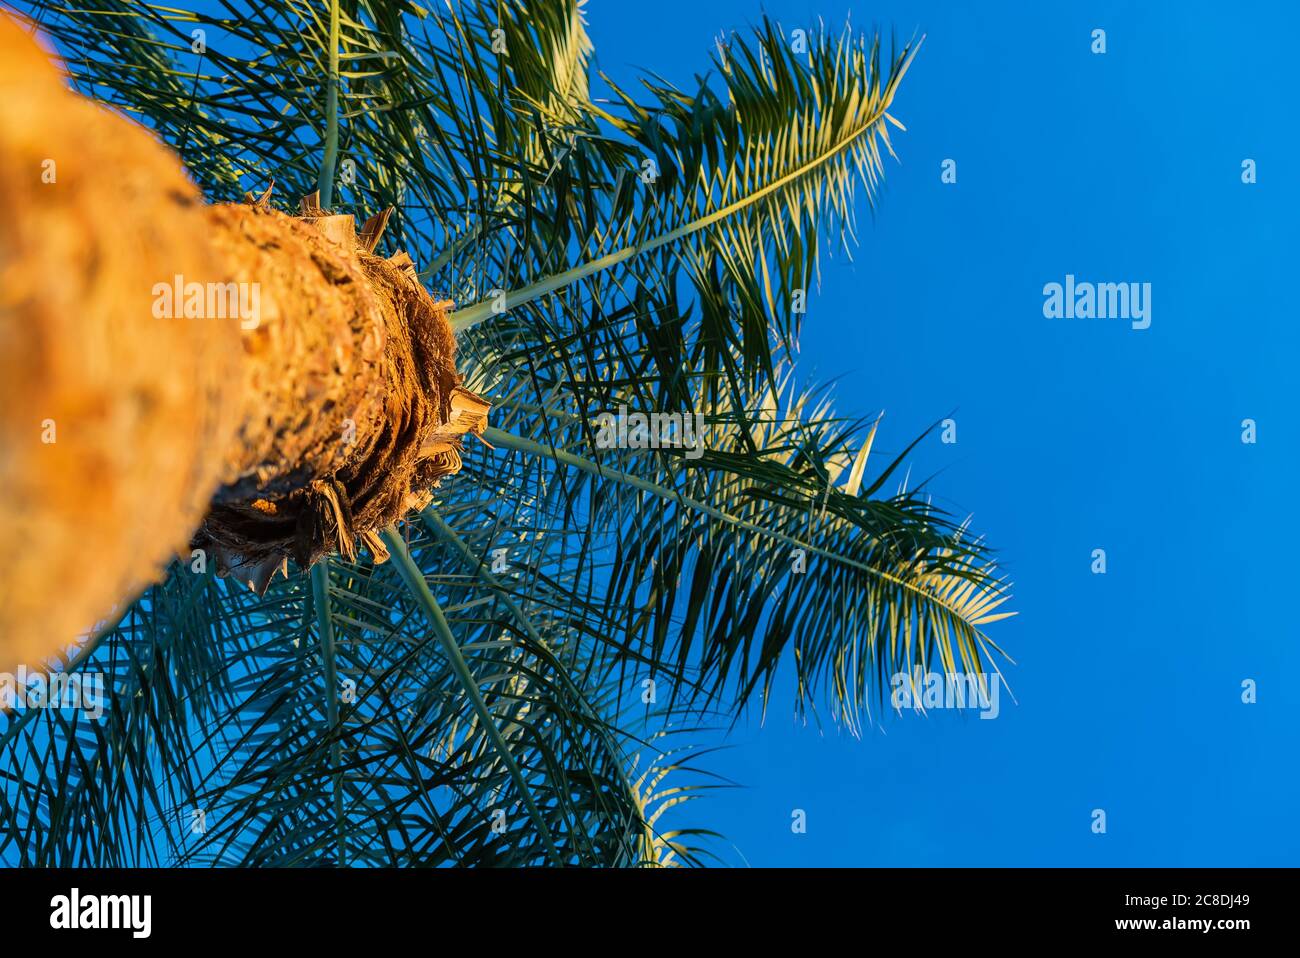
<point>349,375</point>
<point>312,360</point>
<point>111,421</point>
<point>297,435</point>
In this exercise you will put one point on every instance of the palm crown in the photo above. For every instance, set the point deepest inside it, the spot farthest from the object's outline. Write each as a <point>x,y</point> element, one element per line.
<point>477,698</point>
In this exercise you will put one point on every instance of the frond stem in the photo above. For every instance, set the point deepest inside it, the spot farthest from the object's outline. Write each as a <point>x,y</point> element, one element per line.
<point>473,315</point>
<point>419,588</point>
<point>325,182</point>
<point>320,588</point>
<point>497,438</point>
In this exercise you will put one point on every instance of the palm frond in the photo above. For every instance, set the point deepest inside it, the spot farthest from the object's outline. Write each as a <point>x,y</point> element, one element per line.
<point>766,544</point>
<point>322,726</point>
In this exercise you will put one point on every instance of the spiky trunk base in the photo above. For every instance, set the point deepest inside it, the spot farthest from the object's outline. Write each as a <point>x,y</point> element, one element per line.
<point>345,412</point>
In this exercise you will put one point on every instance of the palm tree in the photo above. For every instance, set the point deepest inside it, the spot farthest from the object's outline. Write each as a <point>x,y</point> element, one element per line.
<point>489,671</point>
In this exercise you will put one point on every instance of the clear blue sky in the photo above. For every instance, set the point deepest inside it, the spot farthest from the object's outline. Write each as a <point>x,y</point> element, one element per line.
<point>1072,435</point>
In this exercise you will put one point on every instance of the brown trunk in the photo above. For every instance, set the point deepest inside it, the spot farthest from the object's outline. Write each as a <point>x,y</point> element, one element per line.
<point>349,377</point>
<point>289,430</point>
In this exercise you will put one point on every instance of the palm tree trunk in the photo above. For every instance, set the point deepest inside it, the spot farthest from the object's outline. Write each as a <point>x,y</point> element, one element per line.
<point>228,382</point>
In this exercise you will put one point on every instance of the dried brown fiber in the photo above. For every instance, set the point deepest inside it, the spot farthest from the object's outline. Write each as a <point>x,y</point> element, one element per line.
<point>346,452</point>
